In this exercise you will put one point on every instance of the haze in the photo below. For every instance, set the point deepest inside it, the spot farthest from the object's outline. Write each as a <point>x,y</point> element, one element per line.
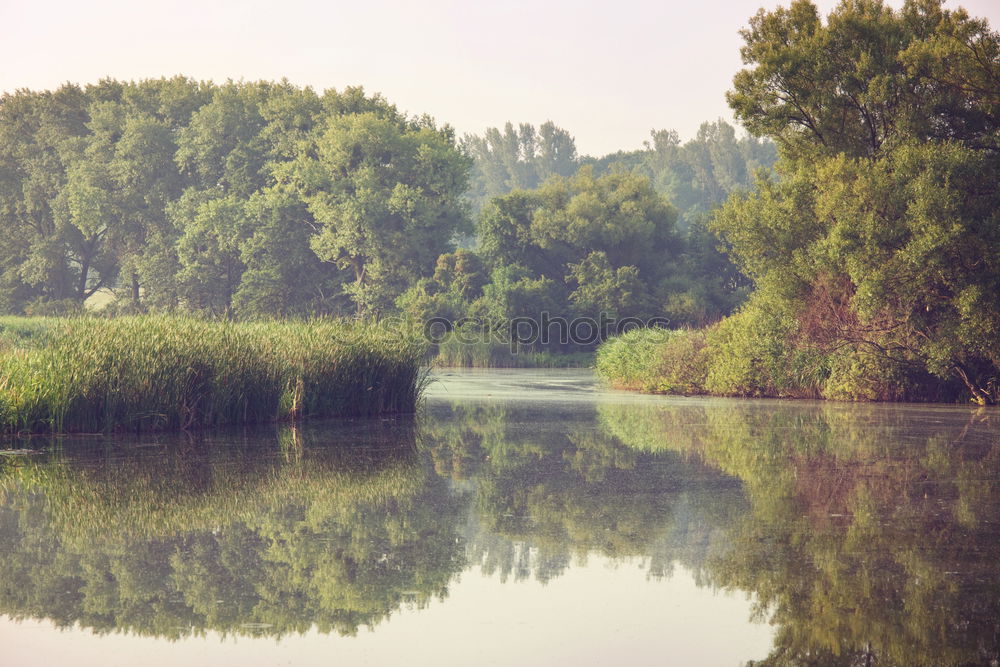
<point>607,72</point>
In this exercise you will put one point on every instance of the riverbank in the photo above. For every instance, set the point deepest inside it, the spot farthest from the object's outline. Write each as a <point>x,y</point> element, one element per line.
<point>161,373</point>
<point>736,357</point>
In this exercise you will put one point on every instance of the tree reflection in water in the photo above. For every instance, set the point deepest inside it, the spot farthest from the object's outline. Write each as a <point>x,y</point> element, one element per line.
<point>335,526</point>
<point>872,535</point>
<point>867,534</point>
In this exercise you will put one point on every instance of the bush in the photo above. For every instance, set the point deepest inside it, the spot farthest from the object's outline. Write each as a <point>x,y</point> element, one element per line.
<point>655,360</point>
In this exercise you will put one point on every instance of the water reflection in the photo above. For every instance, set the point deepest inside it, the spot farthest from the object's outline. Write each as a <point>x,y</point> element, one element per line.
<point>334,526</point>
<point>873,535</point>
<point>866,534</point>
<point>552,488</point>
<point>255,537</point>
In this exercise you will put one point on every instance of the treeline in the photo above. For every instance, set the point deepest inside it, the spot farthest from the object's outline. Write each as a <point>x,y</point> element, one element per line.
<point>243,198</point>
<point>695,176</point>
<point>266,199</point>
<point>623,236</point>
<point>875,248</point>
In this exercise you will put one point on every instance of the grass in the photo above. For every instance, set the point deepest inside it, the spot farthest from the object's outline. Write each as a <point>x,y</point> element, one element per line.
<point>484,351</point>
<point>149,373</point>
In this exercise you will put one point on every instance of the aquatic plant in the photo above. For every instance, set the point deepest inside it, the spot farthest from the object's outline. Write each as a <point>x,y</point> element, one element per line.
<point>470,348</point>
<point>146,373</point>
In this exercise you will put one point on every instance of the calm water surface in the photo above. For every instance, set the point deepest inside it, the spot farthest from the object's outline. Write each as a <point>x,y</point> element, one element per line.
<point>522,517</point>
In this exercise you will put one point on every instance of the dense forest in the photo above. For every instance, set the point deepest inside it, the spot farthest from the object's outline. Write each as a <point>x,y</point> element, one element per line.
<point>253,199</point>
<point>245,198</point>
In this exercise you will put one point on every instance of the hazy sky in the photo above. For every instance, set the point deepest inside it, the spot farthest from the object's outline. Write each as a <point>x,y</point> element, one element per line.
<point>607,71</point>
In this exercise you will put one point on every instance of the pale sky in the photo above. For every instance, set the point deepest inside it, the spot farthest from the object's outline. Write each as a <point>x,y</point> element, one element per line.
<point>606,71</point>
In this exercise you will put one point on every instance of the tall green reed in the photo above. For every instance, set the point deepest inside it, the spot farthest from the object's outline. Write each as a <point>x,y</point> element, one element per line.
<point>145,373</point>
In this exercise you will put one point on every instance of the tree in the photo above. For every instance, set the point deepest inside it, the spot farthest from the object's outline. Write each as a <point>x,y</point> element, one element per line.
<point>603,290</point>
<point>39,135</point>
<point>282,275</point>
<point>698,175</point>
<point>221,148</point>
<point>208,250</point>
<point>517,159</point>
<point>868,79</point>
<point>881,232</point>
<point>566,219</point>
<point>385,195</point>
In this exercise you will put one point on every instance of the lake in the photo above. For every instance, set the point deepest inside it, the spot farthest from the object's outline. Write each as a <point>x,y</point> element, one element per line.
<point>521,517</point>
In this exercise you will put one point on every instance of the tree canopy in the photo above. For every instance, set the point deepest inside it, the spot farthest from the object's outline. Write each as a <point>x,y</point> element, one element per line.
<point>256,199</point>
<point>252,198</point>
<point>881,231</point>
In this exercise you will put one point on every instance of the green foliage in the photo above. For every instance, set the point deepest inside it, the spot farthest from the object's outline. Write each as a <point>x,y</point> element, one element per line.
<point>459,279</point>
<point>244,199</point>
<point>283,276</point>
<point>865,375</point>
<point>698,175</point>
<point>517,159</point>
<point>620,292</point>
<point>624,360</point>
<point>868,79</point>
<point>879,235</point>
<point>515,292</point>
<point>385,194</point>
<point>155,373</point>
<point>473,346</point>
<point>759,352</point>
<point>619,214</point>
<point>583,246</point>
<point>887,255</point>
<point>751,354</point>
<point>208,253</point>
<point>261,199</point>
<point>613,243</point>
<point>744,355</point>
<point>633,360</point>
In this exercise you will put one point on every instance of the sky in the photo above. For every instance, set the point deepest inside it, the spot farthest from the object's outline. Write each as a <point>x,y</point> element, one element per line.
<point>608,72</point>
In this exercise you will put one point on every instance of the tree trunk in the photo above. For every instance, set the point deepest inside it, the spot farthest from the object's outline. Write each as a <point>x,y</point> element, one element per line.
<point>980,396</point>
<point>359,280</point>
<point>135,290</point>
<point>82,287</point>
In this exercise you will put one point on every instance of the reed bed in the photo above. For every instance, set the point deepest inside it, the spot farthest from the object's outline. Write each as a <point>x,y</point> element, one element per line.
<point>487,352</point>
<point>151,373</point>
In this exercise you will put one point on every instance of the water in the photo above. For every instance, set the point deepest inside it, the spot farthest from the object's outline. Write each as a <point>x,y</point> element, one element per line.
<point>522,517</point>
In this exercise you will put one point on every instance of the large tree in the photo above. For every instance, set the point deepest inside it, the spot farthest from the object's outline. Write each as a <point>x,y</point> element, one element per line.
<point>882,231</point>
<point>385,193</point>
<point>40,134</point>
<point>609,241</point>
